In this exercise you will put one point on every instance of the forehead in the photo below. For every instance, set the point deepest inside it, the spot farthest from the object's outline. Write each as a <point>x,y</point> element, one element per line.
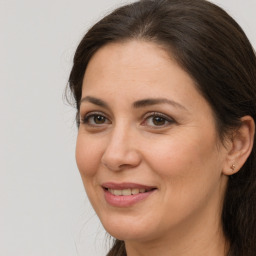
<point>134,64</point>
<point>132,53</point>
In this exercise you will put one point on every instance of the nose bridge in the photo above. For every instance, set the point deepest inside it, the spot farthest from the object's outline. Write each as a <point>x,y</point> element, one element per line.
<point>121,149</point>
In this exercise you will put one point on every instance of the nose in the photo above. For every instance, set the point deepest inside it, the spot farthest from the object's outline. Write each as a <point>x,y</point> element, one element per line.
<point>121,152</point>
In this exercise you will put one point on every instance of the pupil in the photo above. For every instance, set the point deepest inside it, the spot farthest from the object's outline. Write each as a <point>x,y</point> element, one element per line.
<point>158,120</point>
<point>99,119</point>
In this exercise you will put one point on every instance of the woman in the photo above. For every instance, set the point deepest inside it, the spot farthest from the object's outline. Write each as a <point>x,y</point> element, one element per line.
<point>165,93</point>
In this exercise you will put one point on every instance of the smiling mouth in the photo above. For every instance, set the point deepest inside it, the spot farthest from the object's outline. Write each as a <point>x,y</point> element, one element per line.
<point>126,194</point>
<point>128,191</point>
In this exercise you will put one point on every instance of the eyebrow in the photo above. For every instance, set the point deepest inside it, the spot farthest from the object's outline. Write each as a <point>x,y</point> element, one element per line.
<point>137,104</point>
<point>94,101</point>
<point>155,101</point>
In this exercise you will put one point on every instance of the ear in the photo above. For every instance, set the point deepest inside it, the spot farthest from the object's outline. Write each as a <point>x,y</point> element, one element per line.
<point>240,146</point>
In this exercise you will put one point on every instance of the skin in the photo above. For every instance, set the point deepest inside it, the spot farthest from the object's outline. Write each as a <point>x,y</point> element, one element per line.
<point>181,155</point>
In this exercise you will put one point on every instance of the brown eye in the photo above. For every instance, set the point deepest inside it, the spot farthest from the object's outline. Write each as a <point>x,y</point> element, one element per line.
<point>99,119</point>
<point>158,120</point>
<point>95,119</point>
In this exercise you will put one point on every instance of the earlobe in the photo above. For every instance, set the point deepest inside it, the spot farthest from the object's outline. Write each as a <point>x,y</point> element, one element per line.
<point>240,146</point>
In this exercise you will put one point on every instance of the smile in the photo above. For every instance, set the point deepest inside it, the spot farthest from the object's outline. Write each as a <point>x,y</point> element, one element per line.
<point>126,194</point>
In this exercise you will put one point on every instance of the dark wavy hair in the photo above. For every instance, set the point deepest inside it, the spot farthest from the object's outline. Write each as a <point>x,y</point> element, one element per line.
<point>210,46</point>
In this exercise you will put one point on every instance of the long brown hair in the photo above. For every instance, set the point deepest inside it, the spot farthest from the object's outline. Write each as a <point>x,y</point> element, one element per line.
<point>210,46</point>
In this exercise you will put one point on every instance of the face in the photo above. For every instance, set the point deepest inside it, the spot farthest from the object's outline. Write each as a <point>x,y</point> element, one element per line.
<point>147,147</point>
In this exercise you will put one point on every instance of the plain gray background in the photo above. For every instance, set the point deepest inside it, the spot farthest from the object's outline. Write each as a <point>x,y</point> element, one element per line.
<point>44,210</point>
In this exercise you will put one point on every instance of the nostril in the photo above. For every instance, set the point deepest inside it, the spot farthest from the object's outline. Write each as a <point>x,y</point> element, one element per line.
<point>118,164</point>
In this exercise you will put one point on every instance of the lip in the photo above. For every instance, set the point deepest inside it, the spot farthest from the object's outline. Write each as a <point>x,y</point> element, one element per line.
<point>125,185</point>
<point>126,201</point>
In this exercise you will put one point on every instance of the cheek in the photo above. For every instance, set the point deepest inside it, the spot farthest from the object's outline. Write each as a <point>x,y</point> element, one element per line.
<point>184,160</point>
<point>88,155</point>
<point>188,175</point>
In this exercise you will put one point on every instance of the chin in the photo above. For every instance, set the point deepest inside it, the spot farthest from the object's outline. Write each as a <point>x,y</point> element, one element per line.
<point>128,234</point>
<point>127,228</point>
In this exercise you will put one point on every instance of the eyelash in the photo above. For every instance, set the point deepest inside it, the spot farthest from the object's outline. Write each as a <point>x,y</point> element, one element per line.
<point>166,119</point>
<point>163,118</point>
<point>86,119</point>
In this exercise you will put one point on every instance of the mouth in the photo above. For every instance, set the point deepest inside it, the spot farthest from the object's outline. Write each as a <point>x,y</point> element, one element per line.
<point>126,194</point>
<point>128,191</point>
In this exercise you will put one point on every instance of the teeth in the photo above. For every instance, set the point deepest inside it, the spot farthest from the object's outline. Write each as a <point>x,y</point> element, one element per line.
<point>117,192</point>
<point>135,191</point>
<point>126,192</point>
